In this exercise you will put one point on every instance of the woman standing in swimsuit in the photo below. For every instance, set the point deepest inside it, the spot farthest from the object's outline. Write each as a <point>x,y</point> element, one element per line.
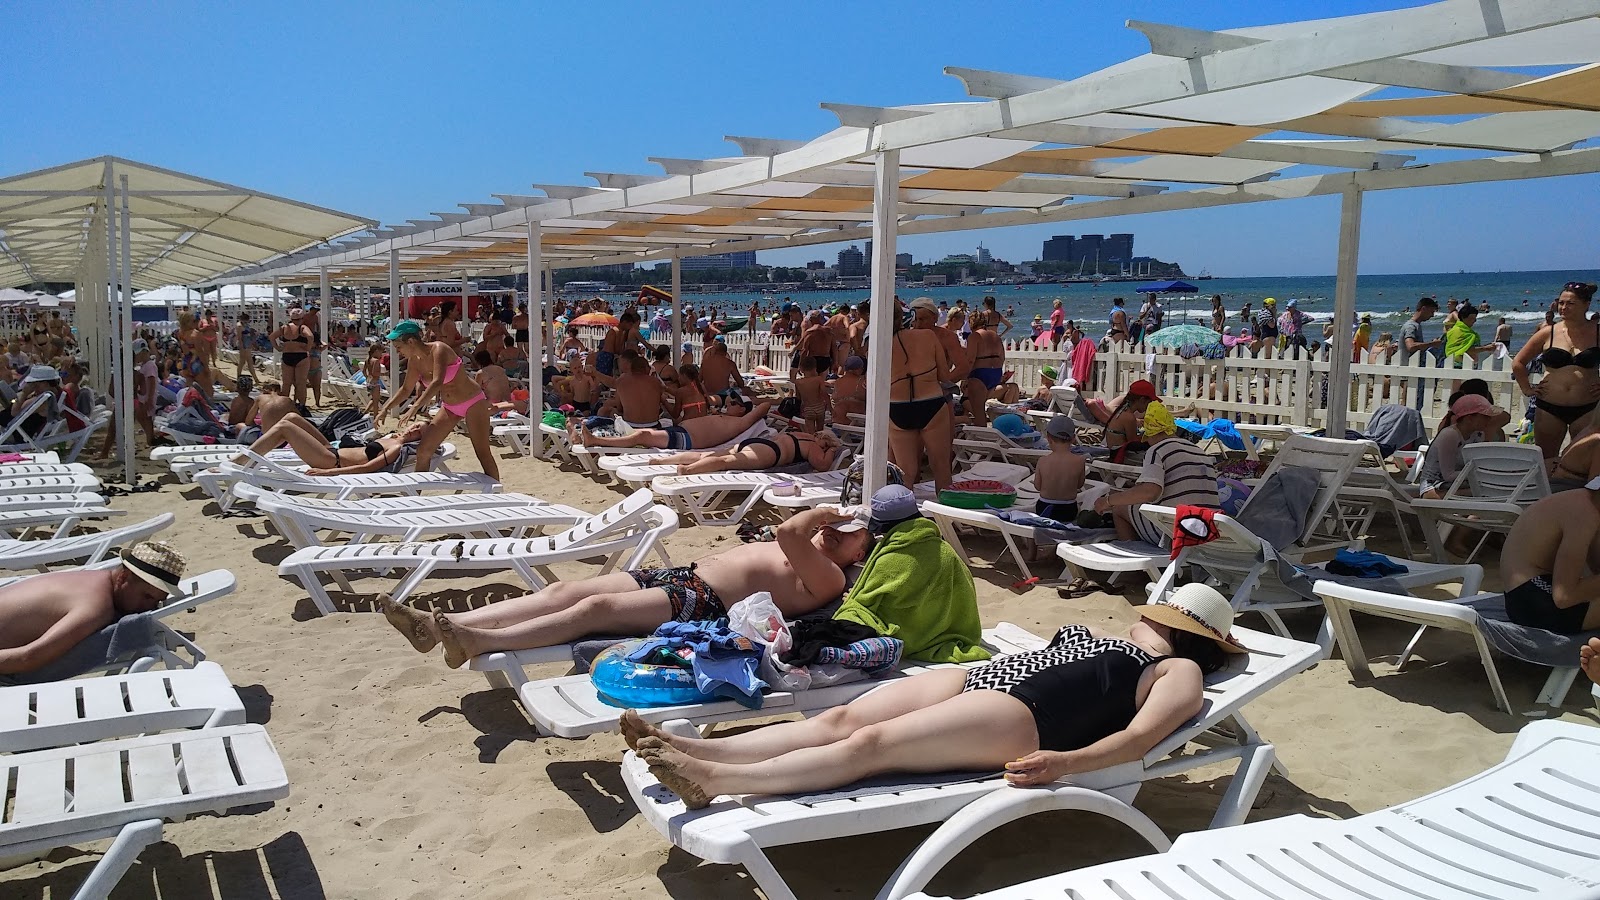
<point>988,366</point>
<point>919,416</point>
<point>519,324</point>
<point>623,337</point>
<point>1088,701</point>
<point>195,366</point>
<point>1569,349</point>
<point>293,340</point>
<point>434,363</point>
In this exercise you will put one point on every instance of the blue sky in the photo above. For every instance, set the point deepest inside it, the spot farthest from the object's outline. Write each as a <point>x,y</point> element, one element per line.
<point>396,110</point>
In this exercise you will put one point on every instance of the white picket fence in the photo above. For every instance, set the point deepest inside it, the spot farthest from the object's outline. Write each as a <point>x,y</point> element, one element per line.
<point>1271,387</point>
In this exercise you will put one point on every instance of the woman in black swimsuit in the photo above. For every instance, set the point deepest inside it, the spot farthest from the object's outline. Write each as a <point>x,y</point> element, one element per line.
<point>919,416</point>
<point>1088,701</point>
<point>293,340</point>
<point>315,451</point>
<point>1569,350</point>
<point>753,454</point>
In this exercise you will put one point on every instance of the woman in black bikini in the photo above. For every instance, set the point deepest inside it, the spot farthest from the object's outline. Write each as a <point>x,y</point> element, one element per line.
<point>1088,701</point>
<point>919,416</point>
<point>314,450</point>
<point>753,454</point>
<point>1569,349</point>
<point>293,340</point>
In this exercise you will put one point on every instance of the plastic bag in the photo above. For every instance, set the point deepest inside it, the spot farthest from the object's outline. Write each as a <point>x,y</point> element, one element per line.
<point>759,619</point>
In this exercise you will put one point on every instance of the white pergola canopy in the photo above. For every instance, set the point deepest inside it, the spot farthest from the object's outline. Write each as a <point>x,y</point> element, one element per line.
<point>183,229</point>
<point>1413,97</point>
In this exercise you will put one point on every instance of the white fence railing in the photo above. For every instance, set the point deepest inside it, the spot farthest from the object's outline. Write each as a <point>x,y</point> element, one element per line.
<point>1271,386</point>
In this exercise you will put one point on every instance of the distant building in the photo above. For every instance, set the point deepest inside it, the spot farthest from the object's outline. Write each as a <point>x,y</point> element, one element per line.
<point>852,262</point>
<point>1057,249</point>
<point>957,259</point>
<point>745,259</point>
<point>1118,248</point>
<point>902,261</point>
<point>816,264</point>
<point>1088,248</point>
<point>936,279</point>
<point>868,260</point>
<point>984,257</point>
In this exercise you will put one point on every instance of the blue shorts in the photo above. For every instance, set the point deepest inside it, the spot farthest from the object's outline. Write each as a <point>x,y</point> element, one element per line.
<point>990,376</point>
<point>678,438</point>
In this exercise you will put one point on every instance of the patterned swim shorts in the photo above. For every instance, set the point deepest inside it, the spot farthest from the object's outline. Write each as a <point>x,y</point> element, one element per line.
<point>692,599</point>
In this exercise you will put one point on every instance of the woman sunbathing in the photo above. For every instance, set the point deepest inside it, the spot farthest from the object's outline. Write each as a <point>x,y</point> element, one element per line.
<point>1088,701</point>
<point>754,454</point>
<point>315,451</point>
<point>706,431</point>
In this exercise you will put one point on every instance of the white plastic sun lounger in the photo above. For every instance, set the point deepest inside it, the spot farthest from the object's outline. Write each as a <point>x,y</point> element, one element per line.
<point>20,524</point>
<point>569,707</point>
<point>22,470</point>
<point>610,459</point>
<point>82,548</point>
<point>50,501</point>
<point>1516,830</point>
<point>403,503</point>
<point>738,830</point>
<point>300,525</point>
<point>1441,614</point>
<point>187,466</point>
<point>80,710</point>
<point>48,484</point>
<point>343,487</point>
<point>125,789</point>
<point>200,589</point>
<point>625,534</point>
<point>37,456</point>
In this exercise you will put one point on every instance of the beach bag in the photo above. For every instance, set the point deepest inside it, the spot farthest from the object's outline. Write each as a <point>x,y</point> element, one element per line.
<point>850,492</point>
<point>789,407</point>
<point>340,422</point>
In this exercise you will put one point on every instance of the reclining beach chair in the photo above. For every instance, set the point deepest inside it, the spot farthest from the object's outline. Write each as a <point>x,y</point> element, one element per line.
<point>82,548</point>
<point>1508,832</point>
<point>14,485</point>
<point>1497,482</point>
<point>568,706</point>
<point>126,788</point>
<point>51,501</point>
<point>1244,569</point>
<point>703,496</point>
<point>186,466</point>
<point>1458,616</point>
<point>20,524</point>
<point>1333,461</point>
<point>13,439</point>
<point>739,830</point>
<point>622,536</point>
<point>58,713</point>
<point>300,524</point>
<point>269,476</point>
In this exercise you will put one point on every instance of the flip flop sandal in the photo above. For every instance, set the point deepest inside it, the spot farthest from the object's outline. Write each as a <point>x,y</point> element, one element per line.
<point>1078,587</point>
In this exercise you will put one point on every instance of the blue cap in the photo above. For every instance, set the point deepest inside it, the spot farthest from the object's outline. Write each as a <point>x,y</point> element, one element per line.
<point>404,329</point>
<point>892,505</point>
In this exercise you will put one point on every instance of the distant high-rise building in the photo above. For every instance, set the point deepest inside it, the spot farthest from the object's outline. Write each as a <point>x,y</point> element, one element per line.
<point>984,256</point>
<point>1118,248</point>
<point>1058,249</point>
<point>1089,248</point>
<point>868,259</point>
<point>902,261</point>
<point>817,264</point>
<point>852,262</point>
<point>744,259</point>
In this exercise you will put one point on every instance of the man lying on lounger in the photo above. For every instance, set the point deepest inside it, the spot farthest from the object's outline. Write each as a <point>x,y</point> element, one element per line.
<point>705,431</point>
<point>62,624</point>
<point>803,570</point>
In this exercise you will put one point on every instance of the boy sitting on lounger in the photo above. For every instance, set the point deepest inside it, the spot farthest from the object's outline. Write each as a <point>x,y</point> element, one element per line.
<point>803,571</point>
<point>62,624</point>
<point>1551,560</point>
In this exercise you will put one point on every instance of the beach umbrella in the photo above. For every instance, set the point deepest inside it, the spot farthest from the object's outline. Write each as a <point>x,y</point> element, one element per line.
<point>605,320</point>
<point>1179,335</point>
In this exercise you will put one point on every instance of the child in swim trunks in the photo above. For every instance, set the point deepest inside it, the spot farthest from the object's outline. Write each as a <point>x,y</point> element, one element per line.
<point>1059,476</point>
<point>812,389</point>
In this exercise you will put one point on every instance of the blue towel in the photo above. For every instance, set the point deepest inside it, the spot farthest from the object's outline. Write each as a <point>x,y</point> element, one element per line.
<point>1364,564</point>
<point>122,641</point>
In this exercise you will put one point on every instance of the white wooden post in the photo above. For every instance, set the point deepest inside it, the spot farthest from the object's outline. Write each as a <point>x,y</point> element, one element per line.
<point>324,295</point>
<point>535,318</point>
<point>123,341</point>
<point>676,286</point>
<point>1344,309</point>
<point>885,226</point>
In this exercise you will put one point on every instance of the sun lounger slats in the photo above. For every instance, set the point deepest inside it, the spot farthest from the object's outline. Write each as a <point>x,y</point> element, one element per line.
<point>48,484</point>
<point>34,716</point>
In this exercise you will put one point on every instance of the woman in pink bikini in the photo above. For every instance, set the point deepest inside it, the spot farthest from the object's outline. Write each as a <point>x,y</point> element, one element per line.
<point>438,366</point>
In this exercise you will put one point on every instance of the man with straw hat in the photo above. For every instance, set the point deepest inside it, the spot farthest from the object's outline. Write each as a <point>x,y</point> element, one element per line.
<point>61,624</point>
<point>1088,701</point>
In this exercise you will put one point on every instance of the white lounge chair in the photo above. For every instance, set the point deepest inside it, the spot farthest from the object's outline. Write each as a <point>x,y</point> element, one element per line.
<point>125,789</point>
<point>13,439</point>
<point>82,548</point>
<point>270,476</point>
<point>80,710</point>
<point>23,470</point>
<point>568,706</point>
<point>47,484</point>
<point>1497,482</point>
<point>1236,563</point>
<point>704,496</point>
<point>627,533</point>
<point>738,830</point>
<point>51,501</point>
<point>1444,615</point>
<point>300,525</point>
<point>1516,830</point>
<point>610,459</point>
<point>20,524</point>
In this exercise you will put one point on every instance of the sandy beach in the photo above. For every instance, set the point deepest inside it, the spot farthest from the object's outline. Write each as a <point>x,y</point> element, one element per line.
<point>410,780</point>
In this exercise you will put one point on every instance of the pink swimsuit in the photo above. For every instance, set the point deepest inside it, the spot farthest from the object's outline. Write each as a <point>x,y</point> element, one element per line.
<point>459,410</point>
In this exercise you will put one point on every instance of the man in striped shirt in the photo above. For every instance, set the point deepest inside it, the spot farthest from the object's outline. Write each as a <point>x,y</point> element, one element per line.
<point>1176,473</point>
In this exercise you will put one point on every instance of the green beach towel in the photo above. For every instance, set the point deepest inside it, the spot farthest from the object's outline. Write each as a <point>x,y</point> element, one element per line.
<point>914,588</point>
<point>1459,339</point>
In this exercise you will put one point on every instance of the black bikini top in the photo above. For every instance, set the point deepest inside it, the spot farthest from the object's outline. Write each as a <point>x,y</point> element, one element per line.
<point>1557,358</point>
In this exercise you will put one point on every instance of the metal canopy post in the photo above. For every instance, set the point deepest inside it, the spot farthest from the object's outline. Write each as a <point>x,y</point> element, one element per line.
<point>1344,310</point>
<point>536,316</point>
<point>272,320</point>
<point>323,297</point>
<point>677,304</point>
<point>885,222</point>
<point>123,342</point>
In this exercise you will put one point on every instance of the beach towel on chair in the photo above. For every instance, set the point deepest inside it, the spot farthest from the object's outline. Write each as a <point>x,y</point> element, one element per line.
<point>1395,427</point>
<point>1535,645</point>
<point>122,641</point>
<point>1277,509</point>
<point>915,588</point>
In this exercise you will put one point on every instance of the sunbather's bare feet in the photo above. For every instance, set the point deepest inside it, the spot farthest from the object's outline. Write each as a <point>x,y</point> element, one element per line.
<point>415,624</point>
<point>677,772</point>
<point>635,729</point>
<point>1589,659</point>
<point>455,641</point>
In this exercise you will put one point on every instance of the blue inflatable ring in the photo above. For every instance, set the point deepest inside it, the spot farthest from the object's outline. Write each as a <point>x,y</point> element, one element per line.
<point>628,685</point>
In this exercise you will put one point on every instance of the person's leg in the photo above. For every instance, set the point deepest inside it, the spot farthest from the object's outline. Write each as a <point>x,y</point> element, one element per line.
<point>479,429</point>
<point>419,628</point>
<point>976,395</point>
<point>633,611</point>
<point>294,379</point>
<point>302,423</point>
<point>936,437</point>
<point>312,449</point>
<point>895,698</point>
<point>653,438</point>
<point>1589,659</point>
<point>905,451</point>
<point>732,460</point>
<point>314,375</point>
<point>976,731</point>
<point>1548,432</point>
<point>443,423</point>
<point>1123,520</point>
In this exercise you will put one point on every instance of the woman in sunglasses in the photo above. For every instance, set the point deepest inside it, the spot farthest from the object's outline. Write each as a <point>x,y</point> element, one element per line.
<point>1569,350</point>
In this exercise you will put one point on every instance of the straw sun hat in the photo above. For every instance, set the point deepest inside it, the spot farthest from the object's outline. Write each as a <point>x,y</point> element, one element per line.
<point>158,563</point>
<point>1197,609</point>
